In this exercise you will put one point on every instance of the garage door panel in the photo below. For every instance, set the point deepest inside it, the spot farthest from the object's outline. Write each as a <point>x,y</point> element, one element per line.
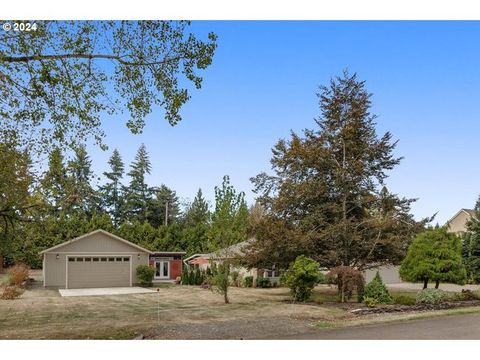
<point>91,274</point>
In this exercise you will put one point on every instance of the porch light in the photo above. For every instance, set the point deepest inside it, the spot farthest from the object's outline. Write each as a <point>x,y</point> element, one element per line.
<point>138,256</point>
<point>57,257</point>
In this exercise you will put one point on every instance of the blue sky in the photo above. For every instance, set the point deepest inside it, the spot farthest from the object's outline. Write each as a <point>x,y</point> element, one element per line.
<point>425,77</point>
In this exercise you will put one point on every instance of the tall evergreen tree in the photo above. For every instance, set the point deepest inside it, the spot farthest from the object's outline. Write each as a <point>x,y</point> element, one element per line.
<point>327,187</point>
<point>198,211</point>
<point>163,208</point>
<point>56,183</point>
<point>83,197</point>
<point>138,193</point>
<point>471,246</point>
<point>112,198</point>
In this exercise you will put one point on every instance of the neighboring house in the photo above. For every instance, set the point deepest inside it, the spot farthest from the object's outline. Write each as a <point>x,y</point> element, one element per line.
<point>101,259</point>
<point>390,273</point>
<point>458,223</point>
<point>204,261</point>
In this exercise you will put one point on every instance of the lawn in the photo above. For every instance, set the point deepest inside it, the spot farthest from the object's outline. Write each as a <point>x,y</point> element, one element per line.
<point>175,312</point>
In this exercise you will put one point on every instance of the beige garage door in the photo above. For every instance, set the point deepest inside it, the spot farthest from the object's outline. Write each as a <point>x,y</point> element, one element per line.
<point>98,271</point>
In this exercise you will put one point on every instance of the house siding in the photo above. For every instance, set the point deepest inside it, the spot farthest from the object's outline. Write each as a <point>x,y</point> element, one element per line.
<point>94,244</point>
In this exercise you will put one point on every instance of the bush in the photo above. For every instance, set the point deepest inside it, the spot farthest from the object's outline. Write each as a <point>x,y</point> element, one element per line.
<point>301,277</point>
<point>10,292</point>
<point>370,301</point>
<point>145,274</point>
<point>235,275</point>
<point>404,300</point>
<point>465,295</point>
<point>248,281</point>
<point>377,290</point>
<point>347,280</point>
<point>18,274</point>
<point>431,297</point>
<point>263,282</point>
<point>220,280</point>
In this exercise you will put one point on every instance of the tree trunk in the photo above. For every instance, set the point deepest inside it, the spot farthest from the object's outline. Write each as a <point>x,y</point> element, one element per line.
<point>225,296</point>
<point>437,284</point>
<point>425,283</point>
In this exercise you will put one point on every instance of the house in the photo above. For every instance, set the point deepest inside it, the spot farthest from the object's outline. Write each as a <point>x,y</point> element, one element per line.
<point>458,223</point>
<point>204,261</point>
<point>101,259</point>
<point>167,265</point>
<point>390,273</point>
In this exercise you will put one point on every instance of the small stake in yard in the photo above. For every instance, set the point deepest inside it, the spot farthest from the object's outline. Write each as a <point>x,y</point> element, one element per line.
<point>158,306</point>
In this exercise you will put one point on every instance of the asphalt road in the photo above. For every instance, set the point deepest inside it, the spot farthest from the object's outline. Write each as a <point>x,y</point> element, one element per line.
<point>453,327</point>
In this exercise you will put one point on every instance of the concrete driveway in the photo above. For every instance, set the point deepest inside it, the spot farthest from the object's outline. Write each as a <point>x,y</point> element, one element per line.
<point>104,291</point>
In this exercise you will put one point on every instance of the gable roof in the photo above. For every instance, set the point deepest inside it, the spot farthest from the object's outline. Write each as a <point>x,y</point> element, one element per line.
<point>118,238</point>
<point>469,212</point>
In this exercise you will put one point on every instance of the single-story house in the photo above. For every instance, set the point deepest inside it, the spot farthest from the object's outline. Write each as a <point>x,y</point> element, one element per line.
<point>203,261</point>
<point>101,259</point>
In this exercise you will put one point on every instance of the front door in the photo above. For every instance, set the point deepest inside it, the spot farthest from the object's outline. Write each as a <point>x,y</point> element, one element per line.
<point>162,269</point>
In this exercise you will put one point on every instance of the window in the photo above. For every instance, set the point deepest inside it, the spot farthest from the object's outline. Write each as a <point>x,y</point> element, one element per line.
<point>79,259</point>
<point>119,259</point>
<point>103,259</point>
<point>70,259</point>
<point>96,259</point>
<point>111,259</point>
<point>88,259</point>
<point>126,259</point>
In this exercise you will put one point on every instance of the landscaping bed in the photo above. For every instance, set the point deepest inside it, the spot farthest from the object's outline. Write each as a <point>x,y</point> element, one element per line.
<point>414,308</point>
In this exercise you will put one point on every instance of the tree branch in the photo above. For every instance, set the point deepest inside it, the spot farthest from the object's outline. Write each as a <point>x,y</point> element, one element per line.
<point>40,57</point>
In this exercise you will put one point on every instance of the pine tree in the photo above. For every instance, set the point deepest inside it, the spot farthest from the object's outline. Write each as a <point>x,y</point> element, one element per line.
<point>165,200</point>
<point>56,184</point>
<point>198,212</point>
<point>82,197</point>
<point>111,191</point>
<point>138,193</point>
<point>471,246</point>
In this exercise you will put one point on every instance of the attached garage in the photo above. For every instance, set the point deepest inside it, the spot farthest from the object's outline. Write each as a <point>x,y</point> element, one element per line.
<point>95,260</point>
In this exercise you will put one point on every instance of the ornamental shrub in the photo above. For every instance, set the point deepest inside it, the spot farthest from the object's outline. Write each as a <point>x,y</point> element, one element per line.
<point>370,301</point>
<point>404,300</point>
<point>248,281</point>
<point>18,274</point>
<point>377,290</point>
<point>301,277</point>
<point>263,282</point>
<point>431,297</point>
<point>145,274</point>
<point>10,292</point>
<point>347,280</point>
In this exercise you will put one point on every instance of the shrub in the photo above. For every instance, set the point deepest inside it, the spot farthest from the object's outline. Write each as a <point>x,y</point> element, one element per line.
<point>404,300</point>
<point>301,277</point>
<point>145,274</point>
<point>248,281</point>
<point>185,276</point>
<point>235,275</point>
<point>431,297</point>
<point>198,277</point>
<point>465,295</point>
<point>370,301</point>
<point>11,292</point>
<point>347,280</point>
<point>18,274</point>
<point>191,277</point>
<point>263,282</point>
<point>377,290</point>
<point>221,280</point>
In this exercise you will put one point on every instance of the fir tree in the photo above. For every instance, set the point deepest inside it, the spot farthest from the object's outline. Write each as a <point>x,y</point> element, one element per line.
<point>163,208</point>
<point>138,193</point>
<point>111,191</point>
<point>83,198</point>
<point>471,246</point>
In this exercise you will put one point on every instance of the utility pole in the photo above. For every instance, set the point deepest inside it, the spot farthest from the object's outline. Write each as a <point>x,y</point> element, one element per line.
<point>166,213</point>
